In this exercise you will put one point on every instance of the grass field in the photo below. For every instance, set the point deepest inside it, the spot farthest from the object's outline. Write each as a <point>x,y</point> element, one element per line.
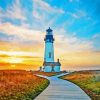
<point>47,73</point>
<point>89,81</point>
<point>20,85</point>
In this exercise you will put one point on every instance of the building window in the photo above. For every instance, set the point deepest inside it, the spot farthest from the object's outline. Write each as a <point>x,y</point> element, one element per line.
<point>49,54</point>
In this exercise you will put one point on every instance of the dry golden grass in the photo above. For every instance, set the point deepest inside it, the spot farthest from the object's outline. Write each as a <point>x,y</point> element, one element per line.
<point>20,85</point>
<point>47,73</point>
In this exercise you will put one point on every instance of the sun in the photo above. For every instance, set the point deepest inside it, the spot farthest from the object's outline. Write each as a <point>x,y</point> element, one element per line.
<point>14,60</point>
<point>13,66</point>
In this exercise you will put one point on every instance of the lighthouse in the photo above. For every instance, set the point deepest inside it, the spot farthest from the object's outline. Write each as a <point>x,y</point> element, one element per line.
<point>49,64</point>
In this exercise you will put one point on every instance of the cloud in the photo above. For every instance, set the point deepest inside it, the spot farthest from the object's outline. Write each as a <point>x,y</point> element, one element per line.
<point>63,41</point>
<point>21,53</point>
<point>78,14</point>
<point>20,33</point>
<point>15,11</point>
<point>40,4</point>
<point>96,36</point>
<point>72,44</point>
<point>43,10</point>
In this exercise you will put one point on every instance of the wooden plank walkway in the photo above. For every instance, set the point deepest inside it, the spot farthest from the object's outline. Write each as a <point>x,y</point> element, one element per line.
<point>62,90</point>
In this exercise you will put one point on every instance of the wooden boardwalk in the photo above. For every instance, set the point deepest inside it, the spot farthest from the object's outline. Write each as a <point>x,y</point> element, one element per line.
<point>62,90</point>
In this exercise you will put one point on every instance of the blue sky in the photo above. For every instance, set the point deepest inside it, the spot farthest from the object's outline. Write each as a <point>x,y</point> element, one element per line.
<point>76,16</point>
<point>76,23</point>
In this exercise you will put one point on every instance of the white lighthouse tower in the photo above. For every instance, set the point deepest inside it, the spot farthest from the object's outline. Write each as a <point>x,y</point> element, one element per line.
<point>49,64</point>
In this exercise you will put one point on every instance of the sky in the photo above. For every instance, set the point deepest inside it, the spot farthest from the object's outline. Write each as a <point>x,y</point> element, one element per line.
<point>76,28</point>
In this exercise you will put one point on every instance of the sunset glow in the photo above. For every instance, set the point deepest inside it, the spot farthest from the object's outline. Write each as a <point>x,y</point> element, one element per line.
<point>14,60</point>
<point>22,31</point>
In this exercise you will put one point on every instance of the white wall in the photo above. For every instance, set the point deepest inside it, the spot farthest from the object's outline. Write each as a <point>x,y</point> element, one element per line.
<point>57,68</point>
<point>47,69</point>
<point>49,48</point>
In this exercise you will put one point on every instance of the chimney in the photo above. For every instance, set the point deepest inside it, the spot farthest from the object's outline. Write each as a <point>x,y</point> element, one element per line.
<point>57,60</point>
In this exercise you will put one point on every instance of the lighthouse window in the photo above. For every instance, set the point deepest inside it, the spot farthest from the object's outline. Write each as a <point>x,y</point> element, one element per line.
<point>49,54</point>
